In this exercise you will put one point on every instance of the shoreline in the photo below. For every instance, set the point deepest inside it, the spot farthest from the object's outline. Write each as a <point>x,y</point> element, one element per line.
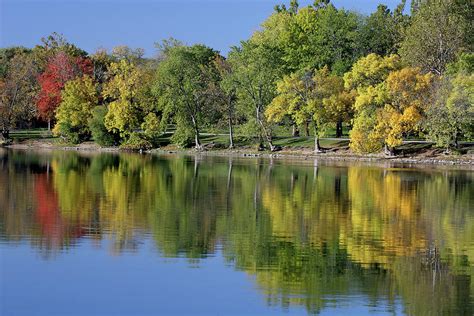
<point>295,154</point>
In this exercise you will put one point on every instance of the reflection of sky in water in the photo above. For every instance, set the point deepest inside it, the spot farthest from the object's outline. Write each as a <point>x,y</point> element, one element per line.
<point>88,280</point>
<point>140,234</point>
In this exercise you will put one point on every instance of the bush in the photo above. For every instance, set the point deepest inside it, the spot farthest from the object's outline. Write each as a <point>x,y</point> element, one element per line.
<point>136,142</point>
<point>69,133</point>
<point>100,134</point>
<point>183,137</point>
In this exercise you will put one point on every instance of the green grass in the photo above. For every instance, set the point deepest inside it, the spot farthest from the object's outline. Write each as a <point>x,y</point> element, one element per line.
<point>36,133</point>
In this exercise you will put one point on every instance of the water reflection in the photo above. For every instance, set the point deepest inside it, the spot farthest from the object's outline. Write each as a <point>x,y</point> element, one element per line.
<point>311,236</point>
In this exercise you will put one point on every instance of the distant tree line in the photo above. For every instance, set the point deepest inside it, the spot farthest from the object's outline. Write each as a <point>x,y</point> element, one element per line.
<point>387,76</point>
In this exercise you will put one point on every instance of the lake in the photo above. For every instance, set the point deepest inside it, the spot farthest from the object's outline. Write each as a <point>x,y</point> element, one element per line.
<point>129,234</point>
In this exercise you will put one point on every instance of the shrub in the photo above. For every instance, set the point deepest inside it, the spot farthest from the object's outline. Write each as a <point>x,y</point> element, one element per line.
<point>100,134</point>
<point>136,142</point>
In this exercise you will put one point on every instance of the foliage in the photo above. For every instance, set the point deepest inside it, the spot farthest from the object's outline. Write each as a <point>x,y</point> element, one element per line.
<point>443,28</point>
<point>366,79</point>
<point>151,126</point>
<point>182,81</point>
<point>312,37</point>
<point>307,97</point>
<point>256,68</point>
<point>53,44</point>
<point>370,70</point>
<point>60,68</point>
<point>6,54</point>
<point>136,142</point>
<point>451,117</point>
<point>382,31</point>
<point>394,108</point>
<point>129,54</point>
<point>18,91</point>
<point>99,132</point>
<point>129,98</point>
<point>75,110</point>
<point>224,93</point>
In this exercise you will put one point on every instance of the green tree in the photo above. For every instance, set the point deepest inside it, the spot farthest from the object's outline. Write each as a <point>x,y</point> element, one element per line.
<point>18,90</point>
<point>79,97</point>
<point>315,36</point>
<point>6,54</point>
<point>306,97</point>
<point>381,32</point>
<point>451,117</point>
<point>256,68</point>
<point>99,132</point>
<point>439,30</point>
<point>225,92</point>
<point>182,81</point>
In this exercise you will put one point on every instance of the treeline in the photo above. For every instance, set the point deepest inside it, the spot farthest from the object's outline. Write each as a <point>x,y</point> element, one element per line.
<point>386,76</point>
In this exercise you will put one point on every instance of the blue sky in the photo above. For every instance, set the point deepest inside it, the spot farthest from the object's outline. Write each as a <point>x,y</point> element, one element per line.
<point>91,24</point>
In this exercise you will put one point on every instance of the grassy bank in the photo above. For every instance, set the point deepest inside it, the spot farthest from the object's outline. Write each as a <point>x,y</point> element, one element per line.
<point>291,147</point>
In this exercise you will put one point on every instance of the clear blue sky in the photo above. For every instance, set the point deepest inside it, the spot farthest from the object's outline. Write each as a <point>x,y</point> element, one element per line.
<point>91,24</point>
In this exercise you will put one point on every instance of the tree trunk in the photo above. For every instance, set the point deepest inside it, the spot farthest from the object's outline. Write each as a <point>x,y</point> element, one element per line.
<point>231,134</point>
<point>388,151</point>
<point>295,132</point>
<point>49,125</point>
<point>456,142</point>
<point>197,139</point>
<point>317,146</point>
<point>6,133</point>
<point>339,129</point>
<point>306,127</point>
<point>267,136</point>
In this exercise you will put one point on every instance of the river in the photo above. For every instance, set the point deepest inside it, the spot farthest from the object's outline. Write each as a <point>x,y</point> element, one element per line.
<point>129,234</point>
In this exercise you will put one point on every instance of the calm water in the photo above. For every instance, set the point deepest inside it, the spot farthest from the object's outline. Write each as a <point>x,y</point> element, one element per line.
<point>128,234</point>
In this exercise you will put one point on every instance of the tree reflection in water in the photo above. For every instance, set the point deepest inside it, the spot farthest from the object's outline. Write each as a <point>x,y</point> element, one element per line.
<point>309,234</point>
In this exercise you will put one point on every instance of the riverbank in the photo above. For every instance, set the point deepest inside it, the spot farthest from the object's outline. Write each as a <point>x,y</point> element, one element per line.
<point>424,155</point>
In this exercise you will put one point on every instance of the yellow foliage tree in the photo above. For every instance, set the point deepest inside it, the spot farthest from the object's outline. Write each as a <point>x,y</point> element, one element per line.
<point>78,99</point>
<point>126,89</point>
<point>407,94</point>
<point>390,102</point>
<point>317,97</point>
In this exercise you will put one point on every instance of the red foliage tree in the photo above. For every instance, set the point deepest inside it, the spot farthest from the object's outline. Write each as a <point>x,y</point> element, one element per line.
<point>60,69</point>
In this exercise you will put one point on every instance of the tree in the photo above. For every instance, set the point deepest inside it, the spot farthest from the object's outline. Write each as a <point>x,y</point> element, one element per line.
<point>381,32</point>
<point>365,77</point>
<point>225,92</point>
<point>443,30</point>
<point>17,92</point>
<point>390,110</point>
<point>6,54</point>
<point>339,106</point>
<point>306,97</point>
<point>128,91</point>
<point>451,116</point>
<point>182,81</point>
<point>99,132</point>
<point>256,68</point>
<point>406,95</point>
<point>321,35</point>
<point>60,68</point>
<point>53,44</point>
<point>129,54</point>
<point>78,99</point>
